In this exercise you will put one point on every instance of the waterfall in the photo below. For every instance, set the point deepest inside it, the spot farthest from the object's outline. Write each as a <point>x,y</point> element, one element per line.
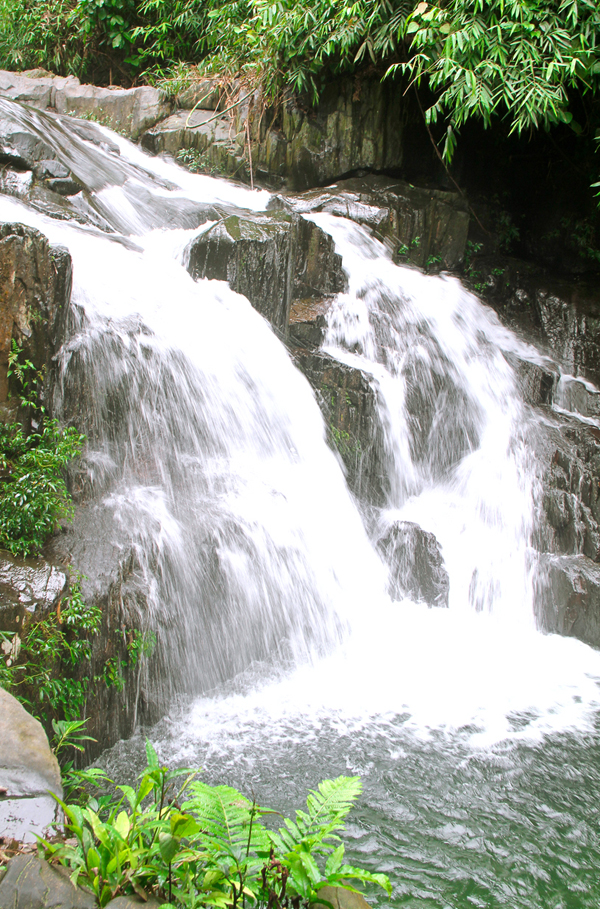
<point>207,470</point>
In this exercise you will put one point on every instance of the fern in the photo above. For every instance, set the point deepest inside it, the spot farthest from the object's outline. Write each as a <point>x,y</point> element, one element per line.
<point>327,807</point>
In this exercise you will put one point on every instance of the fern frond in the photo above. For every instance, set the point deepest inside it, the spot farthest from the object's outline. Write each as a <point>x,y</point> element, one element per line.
<point>327,807</point>
<point>228,820</point>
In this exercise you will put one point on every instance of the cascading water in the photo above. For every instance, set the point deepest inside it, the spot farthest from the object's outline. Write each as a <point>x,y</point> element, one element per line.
<point>476,736</point>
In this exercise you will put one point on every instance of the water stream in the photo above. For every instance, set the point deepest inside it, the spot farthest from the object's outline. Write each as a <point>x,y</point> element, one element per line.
<point>477,737</point>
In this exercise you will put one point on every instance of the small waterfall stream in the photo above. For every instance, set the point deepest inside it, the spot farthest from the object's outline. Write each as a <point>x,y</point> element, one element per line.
<point>476,736</point>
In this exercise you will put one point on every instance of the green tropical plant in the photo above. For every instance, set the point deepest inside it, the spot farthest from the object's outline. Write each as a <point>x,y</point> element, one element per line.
<point>513,59</point>
<point>198,845</point>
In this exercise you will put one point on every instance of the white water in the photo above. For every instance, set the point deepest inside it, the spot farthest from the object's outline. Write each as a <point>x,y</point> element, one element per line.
<point>207,453</point>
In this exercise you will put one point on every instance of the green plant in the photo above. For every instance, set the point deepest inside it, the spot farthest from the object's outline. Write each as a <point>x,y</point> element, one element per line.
<point>515,59</point>
<point>198,845</point>
<point>42,665</point>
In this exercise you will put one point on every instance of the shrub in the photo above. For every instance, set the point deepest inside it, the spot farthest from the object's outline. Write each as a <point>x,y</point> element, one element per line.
<point>200,845</point>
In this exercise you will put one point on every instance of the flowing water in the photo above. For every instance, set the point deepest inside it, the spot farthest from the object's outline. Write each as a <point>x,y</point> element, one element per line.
<point>476,737</point>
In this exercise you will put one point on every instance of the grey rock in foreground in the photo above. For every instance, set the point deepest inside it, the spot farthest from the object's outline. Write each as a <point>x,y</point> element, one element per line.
<point>417,568</point>
<point>31,883</point>
<point>28,771</point>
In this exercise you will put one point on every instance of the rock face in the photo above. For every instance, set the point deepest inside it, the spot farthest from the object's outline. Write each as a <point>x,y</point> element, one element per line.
<point>559,316</point>
<point>356,126</point>
<point>271,259</point>
<point>348,404</point>
<point>416,564</point>
<point>31,883</point>
<point>35,287</point>
<point>568,535</point>
<point>27,586</point>
<point>130,111</point>
<point>424,227</point>
<point>28,769</point>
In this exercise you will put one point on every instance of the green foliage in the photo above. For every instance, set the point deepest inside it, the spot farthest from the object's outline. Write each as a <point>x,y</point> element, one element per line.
<point>199,845</point>
<point>33,492</point>
<point>42,665</point>
<point>282,43</point>
<point>516,59</point>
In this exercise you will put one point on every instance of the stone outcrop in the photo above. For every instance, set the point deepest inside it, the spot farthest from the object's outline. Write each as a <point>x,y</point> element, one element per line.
<point>425,227</point>
<point>568,526</point>
<point>28,769</point>
<point>271,259</point>
<point>130,111</point>
<point>417,568</point>
<point>356,126</point>
<point>27,587</point>
<point>348,404</point>
<point>35,287</point>
<point>559,316</point>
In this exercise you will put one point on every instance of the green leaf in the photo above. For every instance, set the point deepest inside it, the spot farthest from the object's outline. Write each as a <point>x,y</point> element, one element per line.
<point>169,846</point>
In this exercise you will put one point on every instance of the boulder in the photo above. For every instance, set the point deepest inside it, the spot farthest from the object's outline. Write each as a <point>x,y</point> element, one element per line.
<point>27,586</point>
<point>271,259</point>
<point>568,597</point>
<point>422,226</point>
<point>28,771</point>
<point>417,568</point>
<point>348,403</point>
<point>31,883</point>
<point>127,110</point>
<point>202,141</point>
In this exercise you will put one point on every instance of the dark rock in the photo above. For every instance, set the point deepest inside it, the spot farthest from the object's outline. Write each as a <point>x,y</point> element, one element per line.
<point>537,383</point>
<point>562,318</point>
<point>420,225</point>
<point>568,597</point>
<point>35,287</point>
<point>567,451</point>
<point>417,567</point>
<point>31,883</point>
<point>28,769</point>
<point>270,259</point>
<point>349,406</point>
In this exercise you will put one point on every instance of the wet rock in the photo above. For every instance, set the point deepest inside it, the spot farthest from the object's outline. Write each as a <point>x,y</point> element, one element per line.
<point>536,382</point>
<point>356,125</point>
<point>417,568</point>
<point>419,225</point>
<point>31,883</point>
<point>27,586</point>
<point>126,110</point>
<point>202,141</point>
<point>567,451</point>
<point>308,322</point>
<point>568,597</point>
<point>578,396</point>
<point>270,259</point>
<point>348,404</point>
<point>562,318</point>
<point>35,287</point>
<point>28,769</point>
